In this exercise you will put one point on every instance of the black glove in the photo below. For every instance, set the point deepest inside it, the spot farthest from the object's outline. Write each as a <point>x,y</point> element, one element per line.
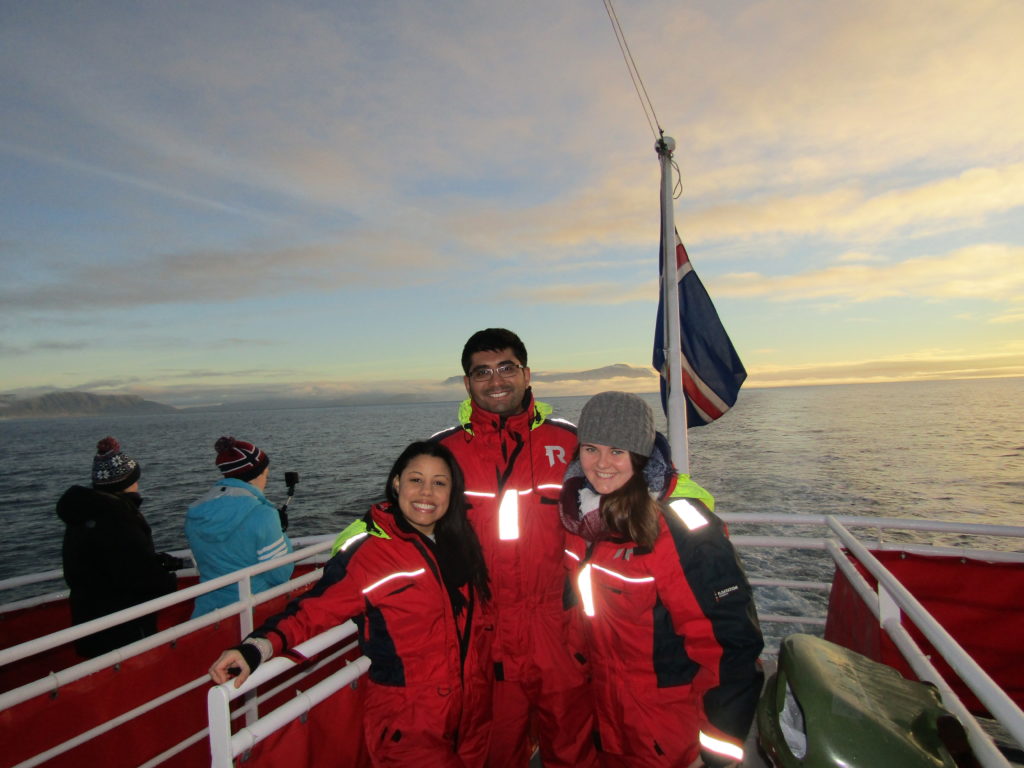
<point>283,515</point>
<point>171,563</point>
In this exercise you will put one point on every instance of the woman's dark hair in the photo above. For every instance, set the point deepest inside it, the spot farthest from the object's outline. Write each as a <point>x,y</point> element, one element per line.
<point>458,548</point>
<point>630,511</point>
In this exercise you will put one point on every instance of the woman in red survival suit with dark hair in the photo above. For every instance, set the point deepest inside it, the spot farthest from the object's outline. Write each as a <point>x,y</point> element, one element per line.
<point>412,576</point>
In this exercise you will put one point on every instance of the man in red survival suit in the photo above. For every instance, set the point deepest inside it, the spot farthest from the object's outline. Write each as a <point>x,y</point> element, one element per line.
<point>514,456</point>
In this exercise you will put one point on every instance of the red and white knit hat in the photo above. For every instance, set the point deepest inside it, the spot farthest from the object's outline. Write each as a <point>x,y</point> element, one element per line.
<point>239,459</point>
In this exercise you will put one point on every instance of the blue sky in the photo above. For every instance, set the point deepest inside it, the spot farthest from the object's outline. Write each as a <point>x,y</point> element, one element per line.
<point>202,201</point>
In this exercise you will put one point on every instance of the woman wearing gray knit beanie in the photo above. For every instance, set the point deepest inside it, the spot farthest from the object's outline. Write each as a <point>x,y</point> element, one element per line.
<point>670,620</point>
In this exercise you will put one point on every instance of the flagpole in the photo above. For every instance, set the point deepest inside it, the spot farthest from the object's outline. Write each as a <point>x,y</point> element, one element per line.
<point>676,406</point>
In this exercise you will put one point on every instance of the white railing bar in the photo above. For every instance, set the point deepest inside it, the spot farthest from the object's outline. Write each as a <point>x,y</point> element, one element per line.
<point>109,725</point>
<point>820,586</point>
<point>32,602</point>
<point>31,578</point>
<point>219,697</point>
<point>218,715</point>
<point>982,745</point>
<point>998,703</point>
<point>54,574</point>
<point>181,746</point>
<point>63,636</point>
<point>778,618</point>
<point>178,748</point>
<point>55,680</point>
<point>980,741</point>
<point>273,667</point>
<point>744,540</point>
<point>861,521</point>
<point>58,573</point>
<point>245,596</point>
<point>251,706</point>
<point>860,585</point>
<point>237,712</point>
<point>989,555</point>
<point>250,736</point>
<point>154,703</point>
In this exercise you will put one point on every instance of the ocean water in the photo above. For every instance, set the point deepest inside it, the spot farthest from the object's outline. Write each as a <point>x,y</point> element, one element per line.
<point>951,450</point>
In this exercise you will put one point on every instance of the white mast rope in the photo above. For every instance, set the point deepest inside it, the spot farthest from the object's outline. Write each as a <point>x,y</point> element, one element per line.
<point>641,90</point>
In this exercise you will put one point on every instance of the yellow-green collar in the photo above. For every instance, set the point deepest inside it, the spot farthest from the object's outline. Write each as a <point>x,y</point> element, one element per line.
<point>540,412</point>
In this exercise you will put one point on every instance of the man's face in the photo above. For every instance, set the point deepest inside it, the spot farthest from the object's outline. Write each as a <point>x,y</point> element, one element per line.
<point>496,393</point>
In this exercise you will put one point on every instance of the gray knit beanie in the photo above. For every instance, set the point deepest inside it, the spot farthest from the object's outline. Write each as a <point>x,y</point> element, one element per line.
<point>619,420</point>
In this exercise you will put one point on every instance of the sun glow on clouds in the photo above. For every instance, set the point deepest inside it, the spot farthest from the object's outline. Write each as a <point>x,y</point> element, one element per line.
<point>847,212</point>
<point>440,167</point>
<point>991,272</point>
<point>923,366</point>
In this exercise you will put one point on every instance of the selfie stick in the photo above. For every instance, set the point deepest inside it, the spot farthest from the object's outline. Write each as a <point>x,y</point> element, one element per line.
<point>291,479</point>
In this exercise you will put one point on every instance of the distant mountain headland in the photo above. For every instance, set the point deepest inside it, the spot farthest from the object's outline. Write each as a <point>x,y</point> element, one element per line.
<point>57,404</point>
<point>617,370</point>
<point>555,383</point>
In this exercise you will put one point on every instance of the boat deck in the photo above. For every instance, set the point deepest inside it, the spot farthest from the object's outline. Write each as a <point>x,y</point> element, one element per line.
<point>80,709</point>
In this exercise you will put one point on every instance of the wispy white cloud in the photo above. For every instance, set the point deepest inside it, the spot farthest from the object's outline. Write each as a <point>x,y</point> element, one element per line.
<point>854,90</point>
<point>922,366</point>
<point>1012,316</point>
<point>168,156</point>
<point>355,260</point>
<point>849,212</point>
<point>990,272</point>
<point>604,294</point>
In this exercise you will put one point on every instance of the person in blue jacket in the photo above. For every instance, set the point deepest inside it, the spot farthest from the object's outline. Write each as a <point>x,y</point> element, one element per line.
<point>233,526</point>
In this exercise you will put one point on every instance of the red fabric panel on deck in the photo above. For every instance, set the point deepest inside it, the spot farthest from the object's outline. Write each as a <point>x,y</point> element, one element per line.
<point>977,602</point>
<point>330,736</point>
<point>46,720</point>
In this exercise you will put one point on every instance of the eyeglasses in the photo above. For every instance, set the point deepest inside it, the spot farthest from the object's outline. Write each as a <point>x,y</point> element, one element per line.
<point>505,370</point>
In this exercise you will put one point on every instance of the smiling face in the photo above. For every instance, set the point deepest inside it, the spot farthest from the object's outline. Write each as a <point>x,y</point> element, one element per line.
<point>496,394</point>
<point>607,468</point>
<point>423,490</point>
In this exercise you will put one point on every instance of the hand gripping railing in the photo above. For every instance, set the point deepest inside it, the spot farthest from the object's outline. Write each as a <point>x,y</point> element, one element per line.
<point>224,746</point>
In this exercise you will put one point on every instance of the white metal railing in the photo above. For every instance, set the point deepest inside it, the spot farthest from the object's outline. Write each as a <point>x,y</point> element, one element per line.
<point>225,746</point>
<point>748,542</point>
<point>55,680</point>
<point>241,578</point>
<point>257,729</point>
<point>881,523</point>
<point>891,600</point>
<point>57,575</point>
<point>886,604</point>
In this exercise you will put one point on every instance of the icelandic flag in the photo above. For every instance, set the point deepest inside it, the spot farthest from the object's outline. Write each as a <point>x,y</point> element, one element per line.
<point>712,371</point>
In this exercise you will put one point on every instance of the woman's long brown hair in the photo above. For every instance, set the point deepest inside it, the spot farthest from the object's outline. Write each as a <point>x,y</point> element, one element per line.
<point>630,511</point>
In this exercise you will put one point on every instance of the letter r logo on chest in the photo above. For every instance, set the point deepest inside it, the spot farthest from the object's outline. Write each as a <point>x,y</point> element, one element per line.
<point>555,452</point>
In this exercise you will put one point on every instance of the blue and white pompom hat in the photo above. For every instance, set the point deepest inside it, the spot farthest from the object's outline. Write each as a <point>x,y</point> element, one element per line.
<point>112,469</point>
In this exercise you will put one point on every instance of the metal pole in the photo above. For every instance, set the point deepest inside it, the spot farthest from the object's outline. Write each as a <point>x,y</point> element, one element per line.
<point>676,405</point>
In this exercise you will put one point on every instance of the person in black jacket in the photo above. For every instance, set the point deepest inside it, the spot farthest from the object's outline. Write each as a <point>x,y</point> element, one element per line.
<point>110,562</point>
